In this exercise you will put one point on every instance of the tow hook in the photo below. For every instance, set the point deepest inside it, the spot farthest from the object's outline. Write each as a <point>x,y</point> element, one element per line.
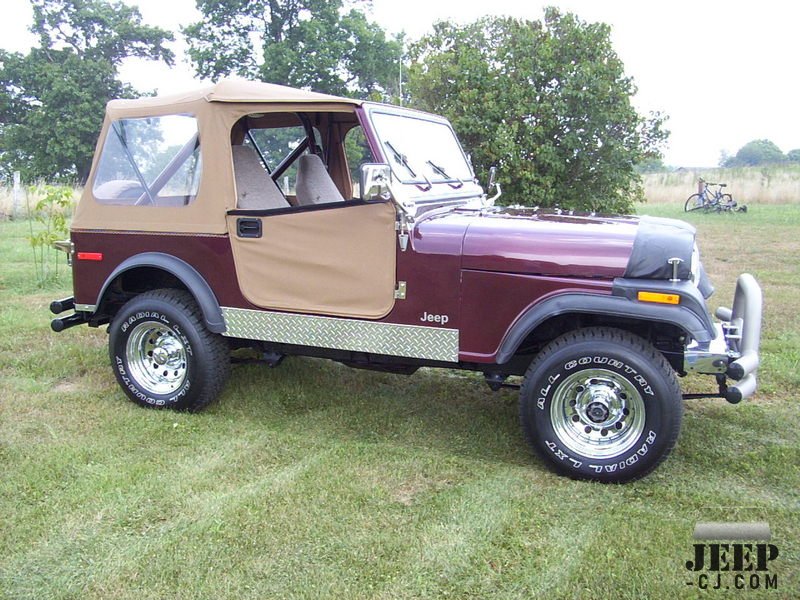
<point>732,394</point>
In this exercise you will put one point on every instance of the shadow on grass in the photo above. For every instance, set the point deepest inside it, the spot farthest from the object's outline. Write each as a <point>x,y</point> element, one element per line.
<point>432,409</point>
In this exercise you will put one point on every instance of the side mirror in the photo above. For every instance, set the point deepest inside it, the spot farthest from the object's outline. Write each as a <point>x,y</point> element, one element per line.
<point>492,184</point>
<point>492,177</point>
<point>374,182</point>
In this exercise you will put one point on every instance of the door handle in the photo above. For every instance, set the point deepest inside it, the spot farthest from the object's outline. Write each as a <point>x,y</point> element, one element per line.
<point>248,228</point>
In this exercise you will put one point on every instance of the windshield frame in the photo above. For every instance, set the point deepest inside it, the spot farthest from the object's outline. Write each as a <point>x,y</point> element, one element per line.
<point>422,189</point>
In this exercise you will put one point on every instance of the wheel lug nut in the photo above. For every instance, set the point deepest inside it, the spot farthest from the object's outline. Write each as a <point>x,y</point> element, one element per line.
<point>587,429</point>
<point>572,403</point>
<point>576,418</point>
<point>618,425</point>
<point>604,432</point>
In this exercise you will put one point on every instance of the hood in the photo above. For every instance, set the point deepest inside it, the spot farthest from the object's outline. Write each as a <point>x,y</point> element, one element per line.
<point>566,244</point>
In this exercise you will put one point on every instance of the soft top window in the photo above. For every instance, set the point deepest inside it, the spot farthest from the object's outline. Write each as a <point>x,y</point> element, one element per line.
<point>278,139</point>
<point>150,161</point>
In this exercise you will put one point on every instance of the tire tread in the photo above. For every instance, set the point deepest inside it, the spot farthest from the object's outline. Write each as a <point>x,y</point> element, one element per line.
<point>635,344</point>
<point>214,344</point>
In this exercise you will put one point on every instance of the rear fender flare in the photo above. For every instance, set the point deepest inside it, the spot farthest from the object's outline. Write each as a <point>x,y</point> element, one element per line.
<point>186,274</point>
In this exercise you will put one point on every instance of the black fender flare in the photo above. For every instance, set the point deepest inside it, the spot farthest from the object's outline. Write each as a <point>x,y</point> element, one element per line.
<point>688,316</point>
<point>185,273</point>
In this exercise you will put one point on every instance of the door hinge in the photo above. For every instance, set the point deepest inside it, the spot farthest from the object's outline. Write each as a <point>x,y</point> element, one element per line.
<point>400,291</point>
<point>401,227</point>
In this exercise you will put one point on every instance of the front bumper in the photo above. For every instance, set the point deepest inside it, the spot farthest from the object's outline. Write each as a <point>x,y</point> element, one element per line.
<point>733,353</point>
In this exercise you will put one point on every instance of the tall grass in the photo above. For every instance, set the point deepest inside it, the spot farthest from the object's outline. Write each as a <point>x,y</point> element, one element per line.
<point>775,184</point>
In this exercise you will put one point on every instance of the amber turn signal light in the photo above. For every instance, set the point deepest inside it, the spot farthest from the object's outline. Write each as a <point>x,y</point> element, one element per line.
<point>658,298</point>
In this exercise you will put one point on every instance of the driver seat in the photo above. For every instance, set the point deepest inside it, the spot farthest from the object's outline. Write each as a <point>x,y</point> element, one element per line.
<point>314,185</point>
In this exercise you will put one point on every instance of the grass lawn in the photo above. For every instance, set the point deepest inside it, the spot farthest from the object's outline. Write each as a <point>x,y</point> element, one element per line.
<point>316,481</point>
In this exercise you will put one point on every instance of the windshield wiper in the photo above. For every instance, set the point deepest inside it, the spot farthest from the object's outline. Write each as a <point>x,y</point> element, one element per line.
<point>403,160</point>
<point>400,158</point>
<point>451,181</point>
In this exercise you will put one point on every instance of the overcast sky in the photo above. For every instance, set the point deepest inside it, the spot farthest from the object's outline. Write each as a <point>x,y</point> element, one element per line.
<point>724,71</point>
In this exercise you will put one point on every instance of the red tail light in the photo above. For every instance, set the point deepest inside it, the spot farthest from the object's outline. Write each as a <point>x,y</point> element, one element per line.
<point>96,256</point>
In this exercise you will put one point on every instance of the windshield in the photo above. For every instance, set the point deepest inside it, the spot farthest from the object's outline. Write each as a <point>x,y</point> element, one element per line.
<point>420,150</point>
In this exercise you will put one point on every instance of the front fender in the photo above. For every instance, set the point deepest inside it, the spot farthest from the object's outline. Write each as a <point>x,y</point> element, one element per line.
<point>690,315</point>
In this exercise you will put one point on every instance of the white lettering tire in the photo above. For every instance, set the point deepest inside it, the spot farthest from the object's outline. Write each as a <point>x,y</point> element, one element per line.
<point>601,404</point>
<point>162,354</point>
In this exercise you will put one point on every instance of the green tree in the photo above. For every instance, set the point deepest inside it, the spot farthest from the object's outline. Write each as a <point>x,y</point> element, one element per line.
<point>52,99</point>
<point>755,153</point>
<point>547,101</point>
<point>654,164</point>
<point>315,44</point>
<point>793,155</point>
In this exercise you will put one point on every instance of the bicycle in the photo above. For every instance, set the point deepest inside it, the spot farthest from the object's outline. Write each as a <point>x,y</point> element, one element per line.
<point>709,200</point>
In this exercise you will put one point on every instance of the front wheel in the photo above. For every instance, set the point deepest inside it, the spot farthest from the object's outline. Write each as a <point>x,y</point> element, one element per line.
<point>694,202</point>
<point>601,404</point>
<point>162,354</point>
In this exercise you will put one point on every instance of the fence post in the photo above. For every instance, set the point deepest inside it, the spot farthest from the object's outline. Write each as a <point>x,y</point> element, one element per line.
<point>16,197</point>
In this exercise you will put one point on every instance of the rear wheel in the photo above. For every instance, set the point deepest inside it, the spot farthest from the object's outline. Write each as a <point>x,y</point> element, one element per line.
<point>162,354</point>
<point>727,202</point>
<point>601,404</point>
<point>693,202</point>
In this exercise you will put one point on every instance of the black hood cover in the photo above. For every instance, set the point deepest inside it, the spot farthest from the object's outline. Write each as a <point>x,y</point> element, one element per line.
<point>657,240</point>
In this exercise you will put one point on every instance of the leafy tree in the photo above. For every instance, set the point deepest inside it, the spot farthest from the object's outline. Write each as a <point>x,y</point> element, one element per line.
<point>547,101</point>
<point>52,99</point>
<point>793,155</point>
<point>755,153</point>
<point>302,43</point>
<point>654,164</point>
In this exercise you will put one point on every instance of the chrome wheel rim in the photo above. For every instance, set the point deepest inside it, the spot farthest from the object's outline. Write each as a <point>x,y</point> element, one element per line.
<point>597,413</point>
<point>156,358</point>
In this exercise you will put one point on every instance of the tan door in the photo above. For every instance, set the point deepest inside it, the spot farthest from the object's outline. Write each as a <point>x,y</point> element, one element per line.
<point>331,260</point>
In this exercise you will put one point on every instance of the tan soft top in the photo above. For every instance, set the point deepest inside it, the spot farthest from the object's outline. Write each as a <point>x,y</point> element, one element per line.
<point>216,107</point>
<point>228,90</point>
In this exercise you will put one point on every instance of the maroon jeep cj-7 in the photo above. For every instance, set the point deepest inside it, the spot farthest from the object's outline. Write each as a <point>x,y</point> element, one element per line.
<point>248,214</point>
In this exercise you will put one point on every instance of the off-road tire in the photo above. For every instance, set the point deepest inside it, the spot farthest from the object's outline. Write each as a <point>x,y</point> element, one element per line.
<point>601,404</point>
<point>162,354</point>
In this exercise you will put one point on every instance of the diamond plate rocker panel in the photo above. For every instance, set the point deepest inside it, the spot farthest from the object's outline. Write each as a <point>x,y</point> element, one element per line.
<point>431,343</point>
